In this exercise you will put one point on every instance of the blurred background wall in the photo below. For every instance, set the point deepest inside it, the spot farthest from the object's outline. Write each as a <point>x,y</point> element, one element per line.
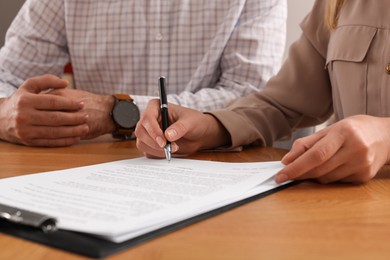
<point>8,10</point>
<point>297,10</point>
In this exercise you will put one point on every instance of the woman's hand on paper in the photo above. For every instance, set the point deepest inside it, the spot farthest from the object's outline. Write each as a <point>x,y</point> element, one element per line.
<point>351,150</point>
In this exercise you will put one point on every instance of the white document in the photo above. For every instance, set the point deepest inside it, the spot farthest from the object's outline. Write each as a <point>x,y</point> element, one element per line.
<point>121,200</point>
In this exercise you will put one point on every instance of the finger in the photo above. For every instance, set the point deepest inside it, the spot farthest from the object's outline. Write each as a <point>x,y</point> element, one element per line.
<point>61,142</point>
<point>355,178</point>
<point>44,118</point>
<point>150,156</point>
<point>325,173</point>
<point>148,128</point>
<point>31,134</point>
<point>301,145</point>
<point>346,173</point>
<point>181,127</point>
<point>151,139</point>
<point>42,83</point>
<point>55,103</point>
<point>57,92</point>
<point>344,166</point>
<point>150,151</point>
<point>336,161</point>
<point>145,143</point>
<point>351,172</point>
<point>340,173</point>
<point>47,102</point>
<point>317,155</point>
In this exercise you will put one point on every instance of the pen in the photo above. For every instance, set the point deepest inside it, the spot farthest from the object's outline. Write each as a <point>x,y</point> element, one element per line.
<point>164,115</point>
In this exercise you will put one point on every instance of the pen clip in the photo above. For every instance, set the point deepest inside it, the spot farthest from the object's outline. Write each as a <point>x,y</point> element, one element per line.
<point>28,218</point>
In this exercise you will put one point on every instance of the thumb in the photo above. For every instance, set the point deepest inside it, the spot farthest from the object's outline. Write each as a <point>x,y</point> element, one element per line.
<point>44,83</point>
<point>176,131</point>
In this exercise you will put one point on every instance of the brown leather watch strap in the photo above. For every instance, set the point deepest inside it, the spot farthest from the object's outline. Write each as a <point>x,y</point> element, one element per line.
<point>120,132</point>
<point>121,96</point>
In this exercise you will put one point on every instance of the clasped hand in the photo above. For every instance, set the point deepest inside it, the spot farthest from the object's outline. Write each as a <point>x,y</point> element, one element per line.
<point>43,112</point>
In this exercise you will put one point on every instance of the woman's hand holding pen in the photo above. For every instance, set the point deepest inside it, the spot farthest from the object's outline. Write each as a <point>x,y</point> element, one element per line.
<point>351,150</point>
<point>190,131</point>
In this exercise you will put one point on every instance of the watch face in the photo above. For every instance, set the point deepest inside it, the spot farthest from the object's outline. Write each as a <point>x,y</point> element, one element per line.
<point>125,114</point>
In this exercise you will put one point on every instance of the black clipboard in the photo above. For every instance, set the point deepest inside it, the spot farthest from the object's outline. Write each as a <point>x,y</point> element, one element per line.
<point>95,247</point>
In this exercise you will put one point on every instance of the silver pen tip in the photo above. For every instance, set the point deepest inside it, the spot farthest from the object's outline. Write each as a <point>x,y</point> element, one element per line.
<point>168,151</point>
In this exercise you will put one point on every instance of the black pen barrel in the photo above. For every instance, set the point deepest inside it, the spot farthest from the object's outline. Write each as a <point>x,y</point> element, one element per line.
<point>164,118</point>
<point>164,104</point>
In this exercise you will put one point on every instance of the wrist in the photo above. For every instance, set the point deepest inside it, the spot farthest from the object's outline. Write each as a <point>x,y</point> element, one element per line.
<point>109,124</point>
<point>217,134</point>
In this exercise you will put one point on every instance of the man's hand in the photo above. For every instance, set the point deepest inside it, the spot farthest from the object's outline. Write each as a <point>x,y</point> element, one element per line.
<point>97,107</point>
<point>32,118</point>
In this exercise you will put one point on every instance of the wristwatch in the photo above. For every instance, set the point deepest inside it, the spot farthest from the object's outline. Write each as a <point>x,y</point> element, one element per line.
<point>125,114</point>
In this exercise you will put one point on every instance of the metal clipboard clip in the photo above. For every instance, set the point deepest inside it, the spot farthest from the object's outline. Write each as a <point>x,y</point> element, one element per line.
<point>24,217</point>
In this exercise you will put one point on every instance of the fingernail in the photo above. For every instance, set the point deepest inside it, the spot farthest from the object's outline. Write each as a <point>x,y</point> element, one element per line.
<point>175,147</point>
<point>280,178</point>
<point>171,133</point>
<point>160,141</point>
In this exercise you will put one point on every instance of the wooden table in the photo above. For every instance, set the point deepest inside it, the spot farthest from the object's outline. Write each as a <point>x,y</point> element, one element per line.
<point>305,221</point>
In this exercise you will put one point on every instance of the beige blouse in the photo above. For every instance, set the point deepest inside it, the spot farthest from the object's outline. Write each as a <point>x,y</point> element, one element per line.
<point>345,72</point>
